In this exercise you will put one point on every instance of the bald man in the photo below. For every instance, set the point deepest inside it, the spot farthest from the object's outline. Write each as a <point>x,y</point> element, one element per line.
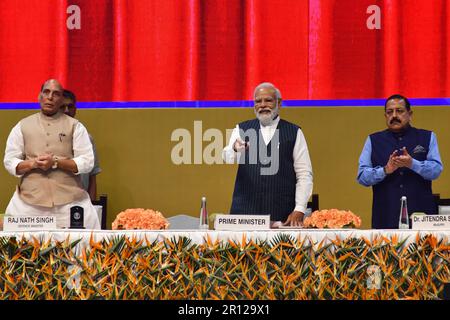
<point>47,151</point>
<point>275,174</point>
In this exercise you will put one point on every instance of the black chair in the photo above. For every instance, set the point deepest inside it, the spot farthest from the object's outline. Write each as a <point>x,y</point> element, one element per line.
<point>440,202</point>
<point>102,201</point>
<point>314,203</point>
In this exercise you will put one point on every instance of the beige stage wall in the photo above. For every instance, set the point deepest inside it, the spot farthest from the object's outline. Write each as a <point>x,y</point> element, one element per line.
<point>135,149</point>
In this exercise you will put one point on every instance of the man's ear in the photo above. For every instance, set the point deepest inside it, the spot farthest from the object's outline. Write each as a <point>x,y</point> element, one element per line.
<point>279,102</point>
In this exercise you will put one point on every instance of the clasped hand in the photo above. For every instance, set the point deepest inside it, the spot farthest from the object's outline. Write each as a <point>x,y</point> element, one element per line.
<point>398,161</point>
<point>43,162</point>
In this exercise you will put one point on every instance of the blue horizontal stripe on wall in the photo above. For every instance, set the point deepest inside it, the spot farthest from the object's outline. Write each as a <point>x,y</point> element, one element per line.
<point>229,104</point>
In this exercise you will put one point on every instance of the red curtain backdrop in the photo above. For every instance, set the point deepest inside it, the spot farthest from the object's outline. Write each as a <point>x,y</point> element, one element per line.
<point>172,50</point>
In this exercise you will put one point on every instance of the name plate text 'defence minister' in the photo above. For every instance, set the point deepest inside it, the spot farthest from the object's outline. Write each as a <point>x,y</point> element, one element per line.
<point>29,223</point>
<point>431,222</point>
<point>241,222</point>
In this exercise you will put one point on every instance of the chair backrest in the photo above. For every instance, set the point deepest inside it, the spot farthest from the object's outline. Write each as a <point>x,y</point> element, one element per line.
<point>183,221</point>
<point>443,205</point>
<point>313,205</point>
<point>103,202</point>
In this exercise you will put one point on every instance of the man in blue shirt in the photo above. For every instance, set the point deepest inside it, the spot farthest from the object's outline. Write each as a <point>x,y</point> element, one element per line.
<point>399,161</point>
<point>88,180</point>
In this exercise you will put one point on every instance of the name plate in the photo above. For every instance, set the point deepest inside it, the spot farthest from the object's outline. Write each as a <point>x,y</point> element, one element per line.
<point>431,222</point>
<point>28,223</point>
<point>241,222</point>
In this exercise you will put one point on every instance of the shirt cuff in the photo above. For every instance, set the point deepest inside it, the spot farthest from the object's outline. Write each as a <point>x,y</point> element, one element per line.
<point>300,209</point>
<point>380,173</point>
<point>80,167</point>
<point>415,165</point>
<point>229,155</point>
<point>14,164</point>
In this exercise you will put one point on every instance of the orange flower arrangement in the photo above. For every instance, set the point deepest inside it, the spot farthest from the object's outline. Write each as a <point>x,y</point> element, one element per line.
<point>139,218</point>
<point>333,219</point>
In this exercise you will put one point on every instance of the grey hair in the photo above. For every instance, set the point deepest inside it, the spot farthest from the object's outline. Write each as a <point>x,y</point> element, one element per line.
<point>267,85</point>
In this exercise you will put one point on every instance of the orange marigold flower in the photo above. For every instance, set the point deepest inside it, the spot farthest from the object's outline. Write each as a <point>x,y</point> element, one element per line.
<point>333,219</point>
<point>140,219</point>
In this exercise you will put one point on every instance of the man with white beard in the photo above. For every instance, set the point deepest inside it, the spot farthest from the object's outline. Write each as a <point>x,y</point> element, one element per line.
<point>275,174</point>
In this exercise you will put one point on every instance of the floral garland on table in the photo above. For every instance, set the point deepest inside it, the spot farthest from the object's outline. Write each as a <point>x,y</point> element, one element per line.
<point>129,267</point>
<point>332,219</point>
<point>139,218</point>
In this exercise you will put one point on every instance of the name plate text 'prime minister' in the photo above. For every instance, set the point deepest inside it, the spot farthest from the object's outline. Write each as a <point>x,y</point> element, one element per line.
<point>242,222</point>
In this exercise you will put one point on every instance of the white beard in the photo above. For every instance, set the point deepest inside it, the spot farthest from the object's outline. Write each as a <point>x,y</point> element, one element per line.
<point>267,119</point>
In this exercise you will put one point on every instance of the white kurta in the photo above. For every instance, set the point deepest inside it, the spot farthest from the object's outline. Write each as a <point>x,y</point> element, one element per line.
<point>82,150</point>
<point>300,154</point>
<point>83,157</point>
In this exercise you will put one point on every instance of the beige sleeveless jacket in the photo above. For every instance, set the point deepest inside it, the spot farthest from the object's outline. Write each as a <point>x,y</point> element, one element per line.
<point>44,134</point>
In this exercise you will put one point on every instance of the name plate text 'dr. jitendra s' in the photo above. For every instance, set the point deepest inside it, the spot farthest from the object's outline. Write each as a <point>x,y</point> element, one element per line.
<point>431,222</point>
<point>241,222</point>
<point>29,223</point>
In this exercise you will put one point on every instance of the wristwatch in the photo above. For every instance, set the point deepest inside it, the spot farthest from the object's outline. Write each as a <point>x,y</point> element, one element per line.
<point>55,163</point>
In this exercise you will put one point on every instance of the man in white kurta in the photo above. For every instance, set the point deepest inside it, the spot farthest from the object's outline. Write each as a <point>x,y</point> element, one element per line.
<point>286,193</point>
<point>48,151</point>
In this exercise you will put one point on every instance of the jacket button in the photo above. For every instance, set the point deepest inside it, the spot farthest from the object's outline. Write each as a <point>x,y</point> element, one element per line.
<point>401,186</point>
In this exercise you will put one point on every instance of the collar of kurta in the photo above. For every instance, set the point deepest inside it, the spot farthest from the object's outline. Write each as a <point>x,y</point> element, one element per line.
<point>401,133</point>
<point>53,117</point>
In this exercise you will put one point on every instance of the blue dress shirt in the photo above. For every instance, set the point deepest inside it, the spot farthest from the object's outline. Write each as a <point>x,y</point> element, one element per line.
<point>429,169</point>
